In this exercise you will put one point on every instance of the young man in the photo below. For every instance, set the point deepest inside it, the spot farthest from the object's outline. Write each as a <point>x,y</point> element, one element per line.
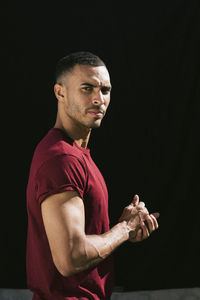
<point>69,240</point>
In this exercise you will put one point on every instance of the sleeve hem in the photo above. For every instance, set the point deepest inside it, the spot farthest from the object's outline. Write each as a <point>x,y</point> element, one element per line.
<point>69,187</point>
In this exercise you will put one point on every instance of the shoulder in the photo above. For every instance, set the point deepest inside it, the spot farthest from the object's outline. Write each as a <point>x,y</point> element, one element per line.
<point>62,163</point>
<point>56,148</point>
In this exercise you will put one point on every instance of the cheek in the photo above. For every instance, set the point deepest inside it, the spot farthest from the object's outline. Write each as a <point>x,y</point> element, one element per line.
<point>81,98</point>
<point>75,106</point>
<point>107,102</point>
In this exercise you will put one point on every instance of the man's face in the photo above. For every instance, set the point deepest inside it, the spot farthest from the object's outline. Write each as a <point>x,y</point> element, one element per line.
<point>87,95</point>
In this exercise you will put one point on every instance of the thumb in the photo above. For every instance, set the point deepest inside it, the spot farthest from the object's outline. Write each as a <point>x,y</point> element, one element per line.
<point>135,200</point>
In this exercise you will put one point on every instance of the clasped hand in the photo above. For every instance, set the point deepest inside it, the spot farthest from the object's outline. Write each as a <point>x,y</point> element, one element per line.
<point>140,223</point>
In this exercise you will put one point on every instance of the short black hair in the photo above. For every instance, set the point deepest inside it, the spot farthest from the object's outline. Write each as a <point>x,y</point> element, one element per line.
<point>66,63</point>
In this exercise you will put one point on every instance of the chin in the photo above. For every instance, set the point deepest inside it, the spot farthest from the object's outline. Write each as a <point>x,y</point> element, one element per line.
<point>94,124</point>
<point>97,124</point>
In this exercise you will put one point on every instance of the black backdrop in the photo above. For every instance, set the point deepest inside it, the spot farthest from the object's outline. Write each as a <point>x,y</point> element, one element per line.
<point>148,143</point>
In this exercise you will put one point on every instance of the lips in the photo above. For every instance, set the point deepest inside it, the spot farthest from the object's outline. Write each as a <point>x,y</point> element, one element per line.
<point>97,113</point>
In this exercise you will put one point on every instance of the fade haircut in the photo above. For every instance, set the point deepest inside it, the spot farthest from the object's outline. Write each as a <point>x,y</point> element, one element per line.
<point>67,63</point>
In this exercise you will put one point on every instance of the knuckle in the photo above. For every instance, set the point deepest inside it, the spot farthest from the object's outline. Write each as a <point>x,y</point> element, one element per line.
<point>130,206</point>
<point>127,208</point>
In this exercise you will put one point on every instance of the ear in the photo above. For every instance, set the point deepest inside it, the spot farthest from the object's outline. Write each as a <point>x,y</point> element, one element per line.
<point>59,92</point>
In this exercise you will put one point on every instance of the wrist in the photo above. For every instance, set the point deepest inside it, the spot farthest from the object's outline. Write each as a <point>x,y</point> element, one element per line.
<point>125,229</point>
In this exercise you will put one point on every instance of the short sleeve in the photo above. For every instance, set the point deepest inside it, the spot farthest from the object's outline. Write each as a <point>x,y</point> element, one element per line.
<point>59,174</point>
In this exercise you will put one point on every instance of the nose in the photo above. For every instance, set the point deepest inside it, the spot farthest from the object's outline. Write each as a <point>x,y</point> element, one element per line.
<point>98,99</point>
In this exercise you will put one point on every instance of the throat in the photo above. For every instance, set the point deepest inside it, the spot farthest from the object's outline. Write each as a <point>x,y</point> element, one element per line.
<point>83,144</point>
<point>82,141</point>
<point>76,131</point>
<point>81,138</point>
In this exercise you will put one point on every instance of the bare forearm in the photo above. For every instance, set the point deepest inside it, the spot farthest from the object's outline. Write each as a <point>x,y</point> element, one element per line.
<point>72,250</point>
<point>94,248</point>
<point>104,244</point>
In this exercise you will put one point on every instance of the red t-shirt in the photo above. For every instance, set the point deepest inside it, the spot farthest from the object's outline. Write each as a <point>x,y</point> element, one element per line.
<point>59,165</point>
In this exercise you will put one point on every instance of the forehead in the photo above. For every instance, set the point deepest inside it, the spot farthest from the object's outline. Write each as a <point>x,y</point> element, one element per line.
<point>94,75</point>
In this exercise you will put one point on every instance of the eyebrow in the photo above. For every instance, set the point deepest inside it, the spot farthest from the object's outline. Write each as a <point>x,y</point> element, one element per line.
<point>109,87</point>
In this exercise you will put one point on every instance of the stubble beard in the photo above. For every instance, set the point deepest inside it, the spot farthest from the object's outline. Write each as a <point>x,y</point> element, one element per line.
<point>82,121</point>
<point>81,118</point>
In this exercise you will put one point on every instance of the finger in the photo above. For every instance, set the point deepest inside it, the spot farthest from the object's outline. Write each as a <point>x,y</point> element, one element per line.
<point>141,204</point>
<point>150,223</point>
<point>142,210</point>
<point>138,237</point>
<point>156,215</point>
<point>135,200</point>
<point>155,221</point>
<point>144,230</point>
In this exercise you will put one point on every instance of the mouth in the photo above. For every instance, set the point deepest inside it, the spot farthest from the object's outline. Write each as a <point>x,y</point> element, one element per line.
<point>97,113</point>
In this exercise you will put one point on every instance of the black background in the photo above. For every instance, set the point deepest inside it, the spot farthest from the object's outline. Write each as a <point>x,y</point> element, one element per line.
<point>148,142</point>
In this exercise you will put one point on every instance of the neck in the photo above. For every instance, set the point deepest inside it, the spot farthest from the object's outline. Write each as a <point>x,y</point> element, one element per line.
<point>76,132</point>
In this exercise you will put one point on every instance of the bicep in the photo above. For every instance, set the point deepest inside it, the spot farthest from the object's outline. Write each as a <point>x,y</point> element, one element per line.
<point>64,222</point>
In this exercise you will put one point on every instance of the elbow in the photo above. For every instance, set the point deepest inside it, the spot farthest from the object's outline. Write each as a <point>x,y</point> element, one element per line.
<point>65,271</point>
<point>66,268</point>
<point>70,266</point>
<point>79,259</point>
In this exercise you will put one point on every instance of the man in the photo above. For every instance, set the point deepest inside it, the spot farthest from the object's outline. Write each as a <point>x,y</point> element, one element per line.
<point>69,240</point>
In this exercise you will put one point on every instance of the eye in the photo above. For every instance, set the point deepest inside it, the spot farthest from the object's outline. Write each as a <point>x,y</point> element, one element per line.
<point>87,88</point>
<point>105,90</point>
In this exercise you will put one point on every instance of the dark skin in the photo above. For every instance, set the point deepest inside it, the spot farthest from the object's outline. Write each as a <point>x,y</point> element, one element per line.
<point>83,97</point>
